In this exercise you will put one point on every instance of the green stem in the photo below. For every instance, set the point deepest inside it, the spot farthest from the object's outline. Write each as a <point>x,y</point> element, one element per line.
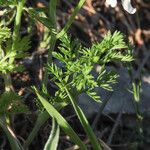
<point>42,118</point>
<point>52,17</point>
<point>136,95</point>
<point>7,78</point>
<point>84,122</point>
<point>53,139</point>
<point>17,22</point>
<point>54,37</point>
<point>54,113</point>
<point>14,143</point>
<point>8,82</point>
<point>71,19</point>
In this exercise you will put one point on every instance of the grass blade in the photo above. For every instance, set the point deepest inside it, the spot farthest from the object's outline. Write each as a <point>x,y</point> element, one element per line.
<point>14,143</point>
<point>61,122</point>
<point>53,139</point>
<point>71,19</point>
<point>42,118</point>
<point>96,145</point>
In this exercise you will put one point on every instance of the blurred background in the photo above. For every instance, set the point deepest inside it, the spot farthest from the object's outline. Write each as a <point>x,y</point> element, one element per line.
<point>124,123</point>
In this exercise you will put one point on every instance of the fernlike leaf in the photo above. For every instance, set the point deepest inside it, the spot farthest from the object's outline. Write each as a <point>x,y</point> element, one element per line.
<point>23,44</point>
<point>35,15</point>
<point>4,33</point>
<point>10,103</point>
<point>8,2</point>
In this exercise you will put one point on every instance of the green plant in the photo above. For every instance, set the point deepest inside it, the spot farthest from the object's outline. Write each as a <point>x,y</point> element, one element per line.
<point>75,76</point>
<point>136,92</point>
<point>72,78</point>
<point>12,46</point>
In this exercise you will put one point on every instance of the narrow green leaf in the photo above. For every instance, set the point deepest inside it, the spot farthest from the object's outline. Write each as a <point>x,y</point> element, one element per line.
<point>71,19</point>
<point>61,121</point>
<point>84,122</point>
<point>14,143</point>
<point>42,118</point>
<point>53,139</point>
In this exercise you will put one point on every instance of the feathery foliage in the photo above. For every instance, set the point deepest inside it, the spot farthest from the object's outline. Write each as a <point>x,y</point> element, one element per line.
<point>8,2</point>
<point>10,103</point>
<point>6,52</point>
<point>78,63</point>
<point>73,77</point>
<point>4,34</point>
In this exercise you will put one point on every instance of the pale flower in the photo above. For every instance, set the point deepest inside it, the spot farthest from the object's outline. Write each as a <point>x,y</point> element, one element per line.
<point>125,3</point>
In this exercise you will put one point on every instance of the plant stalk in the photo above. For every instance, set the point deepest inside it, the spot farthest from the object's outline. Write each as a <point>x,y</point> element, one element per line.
<point>42,118</point>
<point>8,82</point>
<point>14,143</point>
<point>54,113</point>
<point>71,19</point>
<point>17,23</point>
<point>7,79</point>
<point>84,122</point>
<point>52,17</point>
